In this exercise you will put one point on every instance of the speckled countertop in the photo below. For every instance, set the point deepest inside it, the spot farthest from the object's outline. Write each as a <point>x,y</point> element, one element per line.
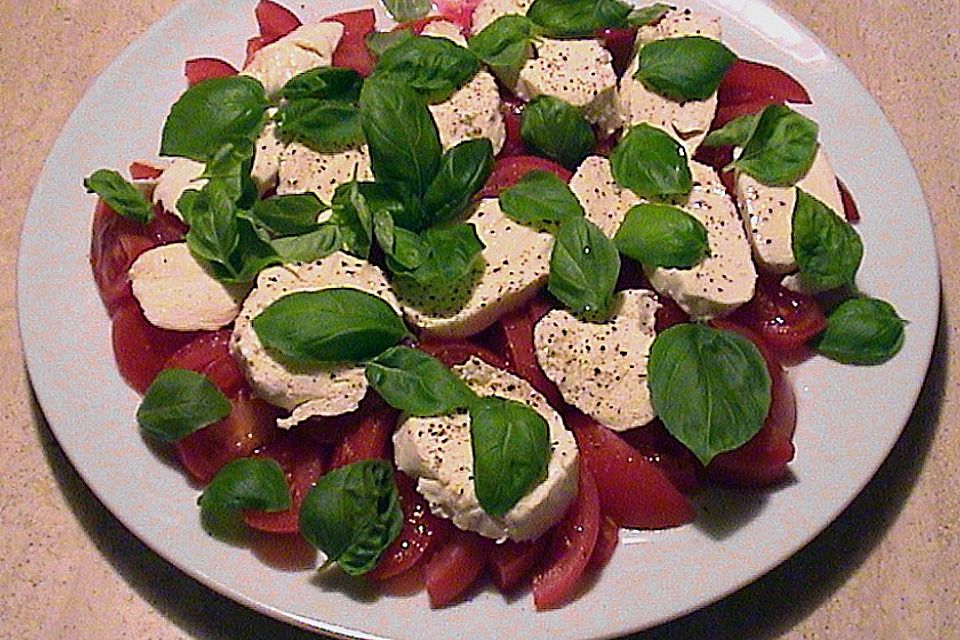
<point>888,568</point>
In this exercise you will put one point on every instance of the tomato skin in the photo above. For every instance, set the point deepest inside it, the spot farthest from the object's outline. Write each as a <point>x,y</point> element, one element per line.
<point>454,352</point>
<point>619,42</point>
<point>143,171</point>
<point>418,25</point>
<point>726,113</point>
<point>633,491</point>
<point>784,319</point>
<point>607,540</point>
<point>511,108</point>
<point>200,69</point>
<point>367,438</point>
<point>569,548</point>
<point>141,349</point>
<point>508,171</point>
<point>748,81</point>
<point>661,449</point>
<point>274,21</point>
<point>511,562</point>
<point>850,209</point>
<point>352,51</point>
<point>455,567</point>
<point>517,328</point>
<point>209,354</point>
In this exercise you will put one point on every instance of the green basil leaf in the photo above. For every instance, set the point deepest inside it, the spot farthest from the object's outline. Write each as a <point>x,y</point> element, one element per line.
<point>505,45</point>
<point>403,248</point>
<point>417,384</point>
<point>827,249</point>
<point>323,125</point>
<point>464,169</point>
<point>681,69</point>
<point>212,215</point>
<point>324,83</point>
<point>557,130</point>
<point>121,196</point>
<point>309,246</point>
<point>244,483</point>
<point>782,148</point>
<point>406,10</point>
<point>402,136</point>
<point>651,163</point>
<point>289,214</point>
<point>230,167</point>
<point>433,67</point>
<point>711,388</point>
<point>511,450</point>
<point>539,197</point>
<point>584,267</point>
<point>451,253</point>
<point>253,254</point>
<point>862,331</point>
<point>643,16</point>
<point>179,402</point>
<point>578,18</point>
<point>737,132</point>
<point>379,41</point>
<point>212,113</point>
<point>659,235</point>
<point>351,214</point>
<point>329,325</point>
<point>353,514</point>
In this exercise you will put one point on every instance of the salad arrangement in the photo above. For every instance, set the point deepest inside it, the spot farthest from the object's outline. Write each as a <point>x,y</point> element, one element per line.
<point>335,303</point>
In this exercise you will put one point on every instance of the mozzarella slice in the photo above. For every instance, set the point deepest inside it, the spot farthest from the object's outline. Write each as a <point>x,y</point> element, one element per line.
<point>473,111</point>
<point>307,390</point>
<point>177,293</point>
<point>601,368</point>
<point>489,10</point>
<point>266,159</point>
<point>304,48</point>
<point>604,201</point>
<point>302,169</point>
<point>181,175</point>
<point>437,453</point>
<point>513,267</point>
<point>444,29</point>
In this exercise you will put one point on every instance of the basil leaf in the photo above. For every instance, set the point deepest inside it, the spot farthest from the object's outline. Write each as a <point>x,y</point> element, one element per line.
<point>659,235</point>
<point>212,215</point>
<point>539,197</point>
<point>511,450</point>
<point>406,10</point>
<point>352,514</point>
<point>584,267</point>
<point>212,113</point>
<point>782,148</point>
<point>310,246</point>
<point>329,325</point>
<point>403,249</point>
<point>827,249</point>
<point>379,41</point>
<point>711,388</point>
<point>244,483</point>
<point>557,130</point>
<point>451,255</point>
<point>651,163</point>
<point>402,136</point>
<point>352,216</point>
<point>230,167</point>
<point>577,18</point>
<point>737,132</point>
<point>686,68</point>
<point>643,16</point>
<point>417,384</point>
<point>324,83</point>
<point>179,402</point>
<point>862,331</point>
<point>253,254</point>
<point>433,67</point>
<point>288,214</point>
<point>323,125</point>
<point>121,196</point>
<point>505,45</point>
<point>464,169</point>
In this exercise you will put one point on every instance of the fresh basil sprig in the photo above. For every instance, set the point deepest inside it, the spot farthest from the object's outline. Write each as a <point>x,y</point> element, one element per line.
<point>710,387</point>
<point>320,109</point>
<point>121,196</point>
<point>406,10</point>
<point>577,18</point>
<point>862,331</point>
<point>538,197</point>
<point>781,149</point>
<point>511,449</point>
<point>179,402</point>
<point>681,69</point>
<point>826,248</point>
<point>660,235</point>
<point>737,132</point>
<point>432,67</point>
<point>449,253</point>
<point>557,130</point>
<point>649,162</point>
<point>463,170</point>
<point>244,483</point>
<point>642,16</point>
<point>353,514</point>
<point>329,325</point>
<point>584,267</point>
<point>416,383</point>
<point>505,45</point>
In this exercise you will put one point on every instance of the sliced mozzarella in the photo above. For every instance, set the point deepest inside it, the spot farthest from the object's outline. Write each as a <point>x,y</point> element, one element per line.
<point>687,121</point>
<point>266,159</point>
<point>473,111</point>
<point>604,201</point>
<point>513,267</point>
<point>181,175</point>
<point>304,48</point>
<point>302,169</point>
<point>444,29</point>
<point>726,278</point>
<point>177,293</point>
<point>601,368</point>
<point>437,453</point>
<point>489,10</point>
<point>307,390</point>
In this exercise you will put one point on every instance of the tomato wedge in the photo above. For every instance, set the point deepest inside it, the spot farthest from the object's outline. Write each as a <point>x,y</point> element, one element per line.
<point>352,51</point>
<point>850,209</point>
<point>508,171</point>
<point>661,449</point>
<point>511,562</point>
<point>454,352</point>
<point>143,171</point>
<point>517,328</point>
<point>570,546</point>
<point>418,25</point>
<point>200,69</point>
<point>748,81</point>
<point>275,21</point>
<point>729,112</point>
<point>141,349</point>
<point>511,108</point>
<point>368,438</point>
<point>607,540</point>
<point>209,354</point>
<point>619,42</point>
<point>784,319</point>
<point>455,567</point>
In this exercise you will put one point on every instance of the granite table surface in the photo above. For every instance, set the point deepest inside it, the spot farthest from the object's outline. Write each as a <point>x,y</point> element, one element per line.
<point>887,568</point>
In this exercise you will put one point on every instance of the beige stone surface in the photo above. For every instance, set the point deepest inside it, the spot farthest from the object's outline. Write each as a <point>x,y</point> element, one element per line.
<point>888,568</point>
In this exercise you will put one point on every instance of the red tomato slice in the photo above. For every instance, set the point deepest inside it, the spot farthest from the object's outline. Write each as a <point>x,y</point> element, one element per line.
<point>620,43</point>
<point>655,443</point>
<point>508,171</point>
<point>368,438</point>
<point>456,352</point>
<point>200,69</point>
<point>141,349</point>
<point>786,320</point>
<point>570,546</point>
<point>718,158</point>
<point>607,540</point>
<point>455,567</point>
<point>763,460</point>
<point>209,354</point>
<point>143,171</point>
<point>748,81</point>
<point>512,109</point>
<point>517,328</point>
<point>730,112</point>
<point>352,51</point>
<point>417,26</point>
<point>275,21</point>
<point>511,562</point>
<point>253,45</point>
<point>633,491</point>
<point>850,209</point>
<point>422,533</point>
<point>459,12</point>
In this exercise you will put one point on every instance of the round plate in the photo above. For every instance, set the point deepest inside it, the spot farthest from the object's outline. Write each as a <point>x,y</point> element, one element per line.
<point>66,338</point>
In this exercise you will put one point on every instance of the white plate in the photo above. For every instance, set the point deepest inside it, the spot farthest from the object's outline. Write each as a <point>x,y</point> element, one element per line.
<point>849,417</point>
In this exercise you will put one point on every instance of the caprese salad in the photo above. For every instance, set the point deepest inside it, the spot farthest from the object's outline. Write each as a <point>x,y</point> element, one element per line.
<point>469,294</point>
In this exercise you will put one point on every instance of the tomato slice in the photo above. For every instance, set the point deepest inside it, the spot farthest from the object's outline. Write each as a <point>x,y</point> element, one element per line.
<point>508,171</point>
<point>352,51</point>
<point>143,171</point>
<point>570,546</point>
<point>454,352</point>
<point>607,540</point>
<point>209,354</point>
<point>786,320</point>
<point>511,562</point>
<point>141,349</point>
<point>748,81</point>
<point>730,112</point>
<point>274,21</point>
<point>422,533</point>
<point>633,491</point>
<point>619,42</point>
<point>517,328</point>
<point>455,567</point>
<point>850,209</point>
<point>511,108</point>
<point>200,69</point>
<point>417,26</point>
<point>367,438</point>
